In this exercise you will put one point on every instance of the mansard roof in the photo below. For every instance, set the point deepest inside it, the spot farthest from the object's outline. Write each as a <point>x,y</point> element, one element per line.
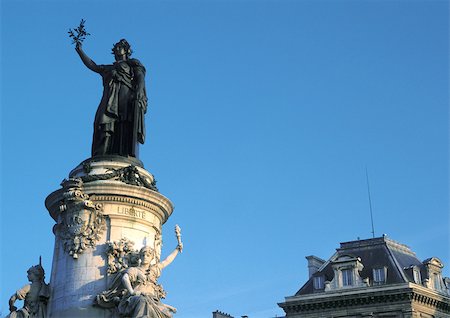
<point>381,252</point>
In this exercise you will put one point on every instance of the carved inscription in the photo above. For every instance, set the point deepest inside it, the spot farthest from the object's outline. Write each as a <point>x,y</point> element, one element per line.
<point>131,212</point>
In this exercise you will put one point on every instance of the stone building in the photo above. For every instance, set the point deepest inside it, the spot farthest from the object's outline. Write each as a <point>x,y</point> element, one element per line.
<point>372,278</point>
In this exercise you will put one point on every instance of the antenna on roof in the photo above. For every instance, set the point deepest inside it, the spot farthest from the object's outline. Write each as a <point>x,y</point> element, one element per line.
<point>370,203</point>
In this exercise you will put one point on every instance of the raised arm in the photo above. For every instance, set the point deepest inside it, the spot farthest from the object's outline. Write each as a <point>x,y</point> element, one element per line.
<point>90,64</point>
<point>169,259</point>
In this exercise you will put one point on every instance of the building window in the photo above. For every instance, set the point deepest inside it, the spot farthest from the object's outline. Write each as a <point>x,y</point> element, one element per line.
<point>347,277</point>
<point>379,276</point>
<point>417,278</point>
<point>318,282</point>
<point>437,281</point>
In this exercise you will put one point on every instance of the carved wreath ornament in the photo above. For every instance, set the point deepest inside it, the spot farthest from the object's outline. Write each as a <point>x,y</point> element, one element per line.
<point>122,254</point>
<point>129,175</point>
<point>81,220</point>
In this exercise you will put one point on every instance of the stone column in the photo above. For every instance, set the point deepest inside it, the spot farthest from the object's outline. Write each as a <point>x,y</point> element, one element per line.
<point>102,201</point>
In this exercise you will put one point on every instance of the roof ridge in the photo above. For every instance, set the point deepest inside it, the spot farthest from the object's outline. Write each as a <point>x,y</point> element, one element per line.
<point>396,263</point>
<point>399,247</point>
<point>383,240</point>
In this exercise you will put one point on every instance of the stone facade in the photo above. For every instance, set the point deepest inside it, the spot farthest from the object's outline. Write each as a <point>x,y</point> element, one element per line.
<point>372,278</point>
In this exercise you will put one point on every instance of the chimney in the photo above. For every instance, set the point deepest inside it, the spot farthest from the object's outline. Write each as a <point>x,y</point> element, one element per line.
<point>314,263</point>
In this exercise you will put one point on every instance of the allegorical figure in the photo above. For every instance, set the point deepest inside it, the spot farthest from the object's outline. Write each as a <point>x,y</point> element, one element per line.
<point>119,121</point>
<point>135,292</point>
<point>34,295</point>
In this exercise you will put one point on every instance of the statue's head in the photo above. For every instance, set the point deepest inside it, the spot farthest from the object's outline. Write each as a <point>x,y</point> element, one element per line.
<point>36,273</point>
<point>122,48</point>
<point>146,254</point>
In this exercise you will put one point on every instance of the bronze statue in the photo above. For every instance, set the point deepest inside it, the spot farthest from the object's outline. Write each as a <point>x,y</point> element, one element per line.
<point>119,121</point>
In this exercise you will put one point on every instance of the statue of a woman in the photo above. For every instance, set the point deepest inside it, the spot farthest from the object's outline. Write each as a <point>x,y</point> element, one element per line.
<point>119,121</point>
<point>34,295</point>
<point>135,291</point>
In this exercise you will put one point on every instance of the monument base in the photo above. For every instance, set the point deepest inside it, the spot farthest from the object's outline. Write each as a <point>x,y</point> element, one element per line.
<point>104,207</point>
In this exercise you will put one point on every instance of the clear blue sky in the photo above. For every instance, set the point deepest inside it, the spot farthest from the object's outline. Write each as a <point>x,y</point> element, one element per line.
<point>263,116</point>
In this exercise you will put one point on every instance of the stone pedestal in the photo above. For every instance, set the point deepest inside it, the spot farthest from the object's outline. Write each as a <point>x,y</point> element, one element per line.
<point>104,200</point>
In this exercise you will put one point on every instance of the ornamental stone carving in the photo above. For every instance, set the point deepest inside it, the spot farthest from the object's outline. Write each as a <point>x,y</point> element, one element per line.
<point>129,175</point>
<point>134,290</point>
<point>80,221</point>
<point>121,255</point>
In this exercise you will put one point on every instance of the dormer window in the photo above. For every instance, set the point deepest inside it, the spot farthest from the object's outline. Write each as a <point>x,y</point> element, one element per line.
<point>318,282</point>
<point>347,277</point>
<point>417,277</point>
<point>346,270</point>
<point>379,276</point>
<point>437,281</point>
<point>433,267</point>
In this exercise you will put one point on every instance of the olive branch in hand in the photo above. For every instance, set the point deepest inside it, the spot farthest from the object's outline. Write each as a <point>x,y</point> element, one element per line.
<point>78,34</point>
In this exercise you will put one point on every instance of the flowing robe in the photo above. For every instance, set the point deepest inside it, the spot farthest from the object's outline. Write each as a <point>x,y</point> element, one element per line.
<point>119,120</point>
<point>144,303</point>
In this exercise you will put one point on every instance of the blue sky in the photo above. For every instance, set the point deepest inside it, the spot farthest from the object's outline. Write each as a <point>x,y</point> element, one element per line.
<point>263,116</point>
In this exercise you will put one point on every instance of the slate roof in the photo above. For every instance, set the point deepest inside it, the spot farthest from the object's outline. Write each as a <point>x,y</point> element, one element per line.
<point>374,253</point>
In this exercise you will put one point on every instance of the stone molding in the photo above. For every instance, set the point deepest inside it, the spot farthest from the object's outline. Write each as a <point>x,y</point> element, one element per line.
<point>134,202</point>
<point>110,191</point>
<point>368,296</point>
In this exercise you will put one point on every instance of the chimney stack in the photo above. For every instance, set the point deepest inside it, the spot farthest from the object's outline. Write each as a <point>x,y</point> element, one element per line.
<point>314,263</point>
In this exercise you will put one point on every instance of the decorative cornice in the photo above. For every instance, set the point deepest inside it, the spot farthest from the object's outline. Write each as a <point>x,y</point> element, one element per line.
<point>367,296</point>
<point>109,191</point>
<point>110,188</point>
<point>133,201</point>
<point>343,302</point>
<point>431,302</point>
